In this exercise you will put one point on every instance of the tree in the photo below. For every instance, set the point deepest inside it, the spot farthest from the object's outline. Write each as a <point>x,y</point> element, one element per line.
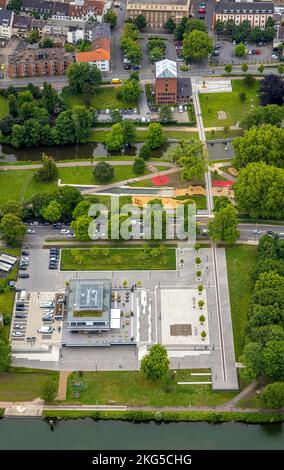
<point>273,395</point>
<point>155,365</point>
<point>83,121</point>
<point>11,207</point>
<point>140,22</point>
<point>194,24</point>
<point>260,144</point>
<point>5,356</point>
<point>240,50</point>
<point>48,172</point>
<point>228,68</point>
<point>197,45</point>
<point>271,90</point>
<point>111,18</point>
<point>249,80</point>
<point>14,5</point>
<point>268,248</point>
<point>130,90</point>
<point>189,155</point>
<point>13,229</point>
<point>49,97</point>
<point>220,202</point>
<point>156,54</point>
<point>116,116</point>
<point>47,43</point>
<point>224,225</point>
<point>103,171</point>
<point>115,139</point>
<point>13,105</point>
<point>155,136</point>
<point>52,212</point>
<point>68,197</point>
<point>259,191</point>
<point>65,128</point>
<point>129,132</point>
<point>48,391</point>
<point>81,73</point>
<point>33,37</point>
<point>139,166</point>
<point>273,359</point>
<point>261,69</point>
<point>252,360</point>
<point>270,114</point>
<point>81,227</point>
<point>280,69</point>
<point>81,209</point>
<point>165,114</point>
<point>145,151</point>
<point>202,319</point>
<point>244,67</point>
<point>170,25</point>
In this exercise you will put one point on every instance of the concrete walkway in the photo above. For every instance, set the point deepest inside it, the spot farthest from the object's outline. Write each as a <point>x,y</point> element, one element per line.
<point>62,386</point>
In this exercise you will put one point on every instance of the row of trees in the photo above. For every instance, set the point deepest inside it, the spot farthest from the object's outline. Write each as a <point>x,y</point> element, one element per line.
<point>245,32</point>
<point>156,49</point>
<point>263,354</point>
<point>124,133</point>
<point>129,43</point>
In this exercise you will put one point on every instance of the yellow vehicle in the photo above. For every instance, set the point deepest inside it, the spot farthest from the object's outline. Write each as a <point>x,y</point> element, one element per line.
<point>3,67</point>
<point>115,81</point>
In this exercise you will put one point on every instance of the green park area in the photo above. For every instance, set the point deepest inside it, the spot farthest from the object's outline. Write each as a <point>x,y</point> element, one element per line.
<point>224,134</point>
<point>241,260</point>
<point>132,388</point>
<point>4,108</point>
<point>24,384</point>
<point>99,135</point>
<point>103,98</point>
<point>230,103</point>
<point>115,259</point>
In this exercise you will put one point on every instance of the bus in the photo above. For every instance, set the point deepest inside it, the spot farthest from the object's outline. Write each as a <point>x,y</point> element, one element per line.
<point>116,81</point>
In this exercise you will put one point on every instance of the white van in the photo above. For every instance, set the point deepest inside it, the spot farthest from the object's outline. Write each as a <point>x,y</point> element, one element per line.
<point>45,329</point>
<point>180,108</point>
<point>46,304</point>
<point>23,296</point>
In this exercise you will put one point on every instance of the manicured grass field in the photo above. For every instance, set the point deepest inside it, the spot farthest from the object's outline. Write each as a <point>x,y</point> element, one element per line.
<point>23,385</point>
<point>100,135</point>
<point>241,260</point>
<point>84,174</point>
<point>4,108</point>
<point>230,103</point>
<point>116,259</point>
<point>104,98</point>
<point>132,388</point>
<point>20,185</point>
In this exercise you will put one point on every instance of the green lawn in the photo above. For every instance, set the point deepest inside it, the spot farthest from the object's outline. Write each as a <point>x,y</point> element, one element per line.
<point>131,388</point>
<point>23,384</point>
<point>241,260</point>
<point>230,103</point>
<point>100,135</point>
<point>4,108</point>
<point>109,259</point>
<point>84,174</point>
<point>224,135</point>
<point>104,98</point>
<point>20,185</point>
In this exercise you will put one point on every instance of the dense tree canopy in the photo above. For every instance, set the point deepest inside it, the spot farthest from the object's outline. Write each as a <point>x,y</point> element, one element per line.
<point>259,191</point>
<point>48,172</point>
<point>197,45</point>
<point>260,144</point>
<point>155,136</point>
<point>271,90</point>
<point>13,229</point>
<point>224,225</point>
<point>103,171</point>
<point>155,365</point>
<point>273,395</point>
<point>189,155</point>
<point>80,74</point>
<point>270,114</point>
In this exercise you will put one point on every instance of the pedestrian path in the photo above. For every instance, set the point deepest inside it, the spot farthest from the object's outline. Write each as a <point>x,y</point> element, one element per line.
<point>62,386</point>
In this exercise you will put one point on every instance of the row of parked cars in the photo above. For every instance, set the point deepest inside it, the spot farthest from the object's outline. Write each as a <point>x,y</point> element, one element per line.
<point>54,255</point>
<point>24,264</point>
<point>20,318</point>
<point>122,111</point>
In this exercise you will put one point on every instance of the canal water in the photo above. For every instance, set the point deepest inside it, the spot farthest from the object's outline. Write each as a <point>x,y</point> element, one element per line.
<point>24,433</point>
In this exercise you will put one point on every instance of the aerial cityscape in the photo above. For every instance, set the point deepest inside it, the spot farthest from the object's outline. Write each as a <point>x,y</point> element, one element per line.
<point>141,224</point>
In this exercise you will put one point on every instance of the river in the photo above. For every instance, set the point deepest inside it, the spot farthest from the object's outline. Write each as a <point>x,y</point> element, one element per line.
<point>24,433</point>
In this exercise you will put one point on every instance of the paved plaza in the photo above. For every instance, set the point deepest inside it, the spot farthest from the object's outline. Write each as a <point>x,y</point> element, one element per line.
<point>163,312</point>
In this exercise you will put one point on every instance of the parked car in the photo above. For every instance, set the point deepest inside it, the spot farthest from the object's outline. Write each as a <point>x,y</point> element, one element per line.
<point>65,230</point>
<point>24,276</point>
<point>57,226</point>
<point>256,231</point>
<point>22,267</point>
<point>25,253</point>
<point>30,230</point>
<point>17,333</point>
<point>258,52</point>
<point>20,315</point>
<point>52,266</point>
<point>18,327</point>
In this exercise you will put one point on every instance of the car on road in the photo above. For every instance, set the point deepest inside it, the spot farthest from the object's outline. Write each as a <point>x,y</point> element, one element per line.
<point>24,276</point>
<point>270,233</point>
<point>258,52</point>
<point>256,231</point>
<point>274,56</point>
<point>30,230</point>
<point>201,10</point>
<point>64,230</point>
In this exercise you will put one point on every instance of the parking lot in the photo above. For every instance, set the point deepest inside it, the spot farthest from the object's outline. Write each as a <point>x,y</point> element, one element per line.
<point>257,54</point>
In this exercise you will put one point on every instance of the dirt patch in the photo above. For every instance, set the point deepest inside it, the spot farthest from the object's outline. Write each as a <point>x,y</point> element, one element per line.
<point>222,115</point>
<point>181,330</point>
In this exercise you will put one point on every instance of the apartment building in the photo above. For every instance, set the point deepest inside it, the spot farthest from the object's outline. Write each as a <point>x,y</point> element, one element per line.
<point>257,13</point>
<point>77,10</point>
<point>100,53</point>
<point>6,24</point>
<point>157,12</point>
<point>39,63</point>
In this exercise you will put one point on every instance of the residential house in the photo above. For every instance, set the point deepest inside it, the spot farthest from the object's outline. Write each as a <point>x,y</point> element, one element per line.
<point>6,24</point>
<point>100,53</point>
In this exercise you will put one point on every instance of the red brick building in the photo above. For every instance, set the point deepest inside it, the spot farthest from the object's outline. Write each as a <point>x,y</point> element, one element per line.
<point>166,84</point>
<point>43,62</point>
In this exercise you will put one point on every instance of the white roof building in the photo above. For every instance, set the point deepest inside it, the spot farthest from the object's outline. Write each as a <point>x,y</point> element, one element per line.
<point>166,69</point>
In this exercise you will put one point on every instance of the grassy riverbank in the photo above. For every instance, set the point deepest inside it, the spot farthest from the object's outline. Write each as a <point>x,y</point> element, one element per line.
<point>24,384</point>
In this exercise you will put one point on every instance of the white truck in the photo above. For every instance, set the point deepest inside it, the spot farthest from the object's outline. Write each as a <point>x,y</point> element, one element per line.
<point>45,329</point>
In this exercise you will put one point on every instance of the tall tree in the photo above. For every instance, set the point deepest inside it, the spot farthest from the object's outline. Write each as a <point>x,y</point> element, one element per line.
<point>48,172</point>
<point>81,73</point>
<point>271,90</point>
<point>129,132</point>
<point>252,360</point>
<point>170,25</point>
<point>52,212</point>
<point>49,97</point>
<point>130,90</point>
<point>81,227</point>
<point>224,225</point>
<point>273,360</point>
<point>65,128</point>
<point>13,229</point>
<point>273,395</point>
<point>111,18</point>
<point>155,136</point>
<point>103,171</point>
<point>140,22</point>
<point>270,114</point>
<point>115,138</point>
<point>155,365</point>
<point>197,45</point>
<point>83,121</point>
<point>189,155</point>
